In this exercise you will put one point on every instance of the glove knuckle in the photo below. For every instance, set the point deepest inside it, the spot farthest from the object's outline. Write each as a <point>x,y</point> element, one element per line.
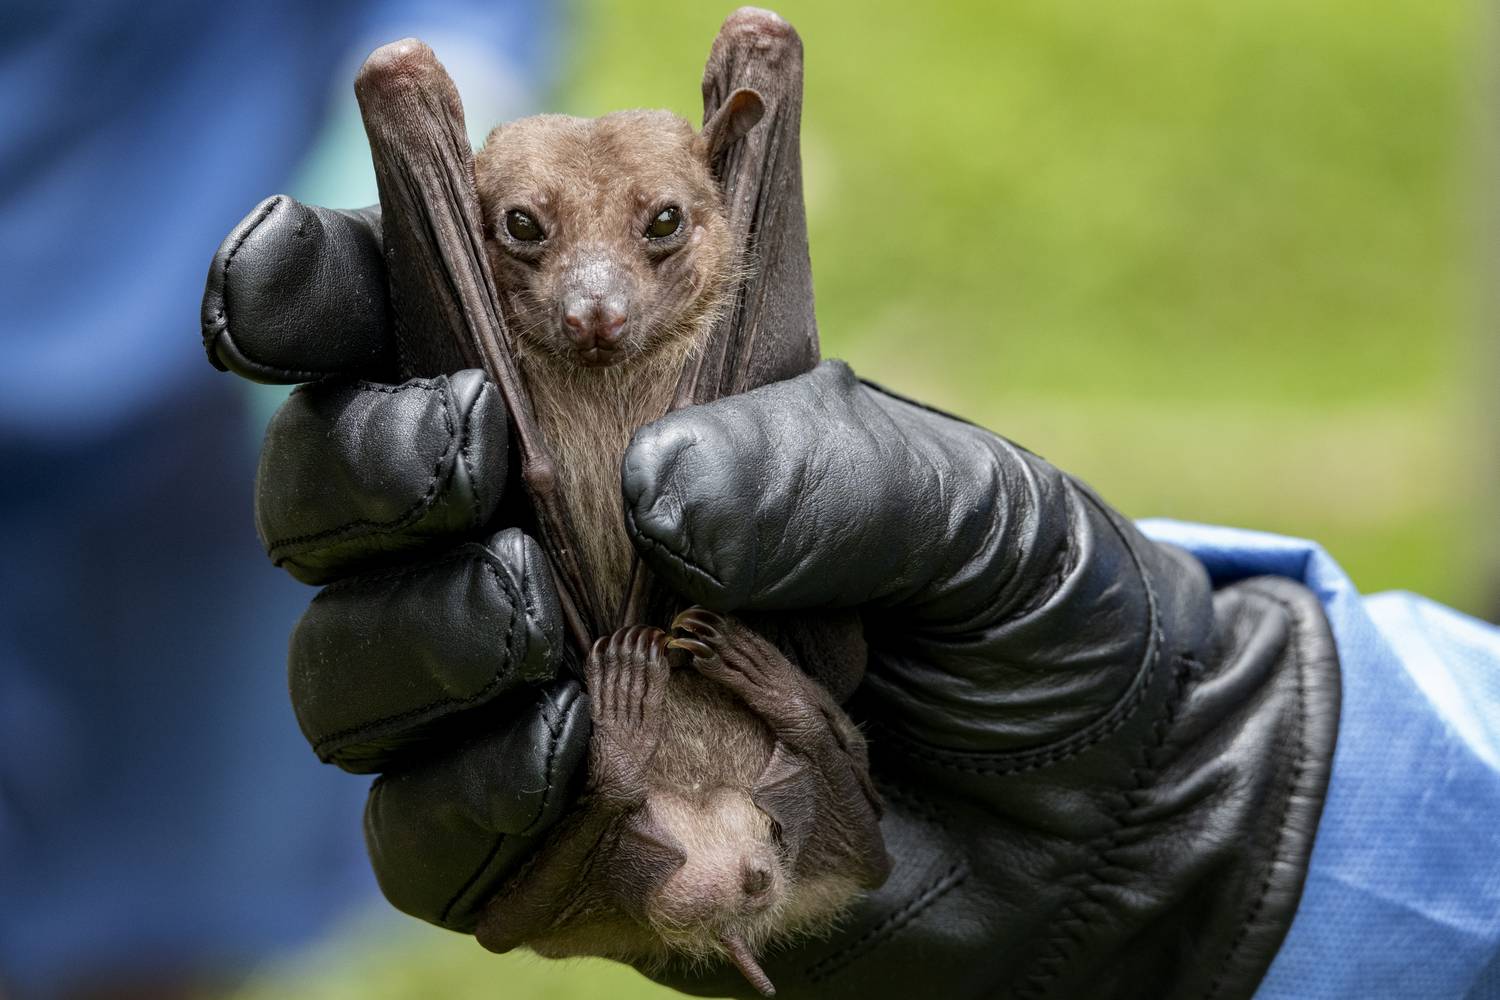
<point>353,473</point>
<point>381,661</point>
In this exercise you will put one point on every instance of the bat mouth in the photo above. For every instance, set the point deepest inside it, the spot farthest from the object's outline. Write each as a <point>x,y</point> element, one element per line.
<point>599,357</point>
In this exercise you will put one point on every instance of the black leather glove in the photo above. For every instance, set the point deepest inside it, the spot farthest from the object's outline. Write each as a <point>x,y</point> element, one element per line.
<point>1102,777</point>
<point>432,653</point>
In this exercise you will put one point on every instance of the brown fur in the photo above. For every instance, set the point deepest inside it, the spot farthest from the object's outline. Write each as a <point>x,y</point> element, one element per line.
<point>594,185</point>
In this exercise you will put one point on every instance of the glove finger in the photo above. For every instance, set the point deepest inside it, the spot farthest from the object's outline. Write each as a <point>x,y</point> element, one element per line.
<point>296,293</point>
<point>382,665</point>
<point>813,492</point>
<point>444,832</point>
<point>354,473</point>
<point>1016,608</point>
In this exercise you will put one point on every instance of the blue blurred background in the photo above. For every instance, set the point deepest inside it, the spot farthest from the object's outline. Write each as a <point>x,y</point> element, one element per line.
<point>1227,262</point>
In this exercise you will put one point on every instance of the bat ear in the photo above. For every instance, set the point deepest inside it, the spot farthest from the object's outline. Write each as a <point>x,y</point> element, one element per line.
<point>738,114</point>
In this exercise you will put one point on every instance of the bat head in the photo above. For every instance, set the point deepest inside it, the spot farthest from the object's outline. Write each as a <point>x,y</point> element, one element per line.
<point>697,878</point>
<point>731,875</point>
<point>607,237</point>
<point>725,893</point>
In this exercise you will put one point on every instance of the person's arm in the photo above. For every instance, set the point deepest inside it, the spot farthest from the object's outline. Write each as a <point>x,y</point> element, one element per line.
<point>1102,778</point>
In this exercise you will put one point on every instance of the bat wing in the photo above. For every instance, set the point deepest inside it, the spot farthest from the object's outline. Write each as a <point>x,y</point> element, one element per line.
<point>645,856</point>
<point>614,862</point>
<point>534,900</point>
<point>787,791</point>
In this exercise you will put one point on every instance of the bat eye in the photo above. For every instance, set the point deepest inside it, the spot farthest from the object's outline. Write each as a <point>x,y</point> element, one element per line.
<point>666,223</point>
<point>523,227</point>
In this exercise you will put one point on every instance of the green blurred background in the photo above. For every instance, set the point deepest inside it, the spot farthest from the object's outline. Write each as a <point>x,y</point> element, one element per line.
<point>1220,260</point>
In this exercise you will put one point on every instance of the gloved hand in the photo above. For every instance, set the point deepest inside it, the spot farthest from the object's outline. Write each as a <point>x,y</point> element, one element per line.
<point>1102,777</point>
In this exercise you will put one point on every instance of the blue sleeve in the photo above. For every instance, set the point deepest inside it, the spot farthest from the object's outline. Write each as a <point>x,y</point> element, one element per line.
<point>1403,892</point>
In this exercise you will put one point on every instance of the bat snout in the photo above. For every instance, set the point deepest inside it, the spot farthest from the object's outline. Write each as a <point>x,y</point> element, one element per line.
<point>755,880</point>
<point>761,883</point>
<point>593,308</point>
<point>591,323</point>
<point>594,330</point>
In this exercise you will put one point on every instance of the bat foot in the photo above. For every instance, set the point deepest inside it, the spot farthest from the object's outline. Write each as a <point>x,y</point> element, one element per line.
<point>700,633</point>
<point>735,656</point>
<point>626,674</point>
<point>732,653</point>
<point>701,623</point>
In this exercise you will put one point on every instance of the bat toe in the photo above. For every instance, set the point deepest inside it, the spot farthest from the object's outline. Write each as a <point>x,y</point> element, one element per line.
<point>702,653</point>
<point>700,623</point>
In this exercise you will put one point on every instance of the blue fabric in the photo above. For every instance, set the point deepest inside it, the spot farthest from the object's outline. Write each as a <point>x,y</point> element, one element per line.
<point>1403,892</point>
<point>129,152</point>
<point>135,136</point>
<point>158,808</point>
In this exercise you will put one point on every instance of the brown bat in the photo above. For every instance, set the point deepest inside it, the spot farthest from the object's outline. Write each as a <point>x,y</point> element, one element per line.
<point>728,804</point>
<point>728,807</point>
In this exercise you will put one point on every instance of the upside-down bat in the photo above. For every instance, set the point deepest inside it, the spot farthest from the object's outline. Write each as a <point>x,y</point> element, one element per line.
<point>728,804</point>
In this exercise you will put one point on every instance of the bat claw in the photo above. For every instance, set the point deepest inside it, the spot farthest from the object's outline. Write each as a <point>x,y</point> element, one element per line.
<point>699,623</point>
<point>702,653</point>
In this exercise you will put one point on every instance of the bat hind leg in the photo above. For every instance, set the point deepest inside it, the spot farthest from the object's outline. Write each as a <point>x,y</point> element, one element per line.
<point>774,688</point>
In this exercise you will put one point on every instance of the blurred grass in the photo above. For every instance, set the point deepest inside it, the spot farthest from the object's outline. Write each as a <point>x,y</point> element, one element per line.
<point>1212,258</point>
<point>384,960</point>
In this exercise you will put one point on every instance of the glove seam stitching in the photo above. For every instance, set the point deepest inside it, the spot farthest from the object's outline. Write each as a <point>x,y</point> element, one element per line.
<point>461,554</point>
<point>221,324</point>
<point>1049,965</point>
<point>544,651</point>
<point>221,314</point>
<point>692,567</point>
<point>495,681</point>
<point>405,518</point>
<point>891,925</point>
<point>465,444</point>
<point>554,729</point>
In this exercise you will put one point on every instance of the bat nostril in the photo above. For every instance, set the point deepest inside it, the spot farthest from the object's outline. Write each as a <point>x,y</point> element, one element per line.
<point>755,880</point>
<point>591,324</point>
<point>611,326</point>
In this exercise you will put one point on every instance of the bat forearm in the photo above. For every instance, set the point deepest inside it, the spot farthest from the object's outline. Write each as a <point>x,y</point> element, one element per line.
<point>447,313</point>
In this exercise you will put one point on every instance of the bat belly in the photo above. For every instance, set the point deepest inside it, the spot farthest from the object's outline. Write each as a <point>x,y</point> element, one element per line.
<point>587,418</point>
<point>710,741</point>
